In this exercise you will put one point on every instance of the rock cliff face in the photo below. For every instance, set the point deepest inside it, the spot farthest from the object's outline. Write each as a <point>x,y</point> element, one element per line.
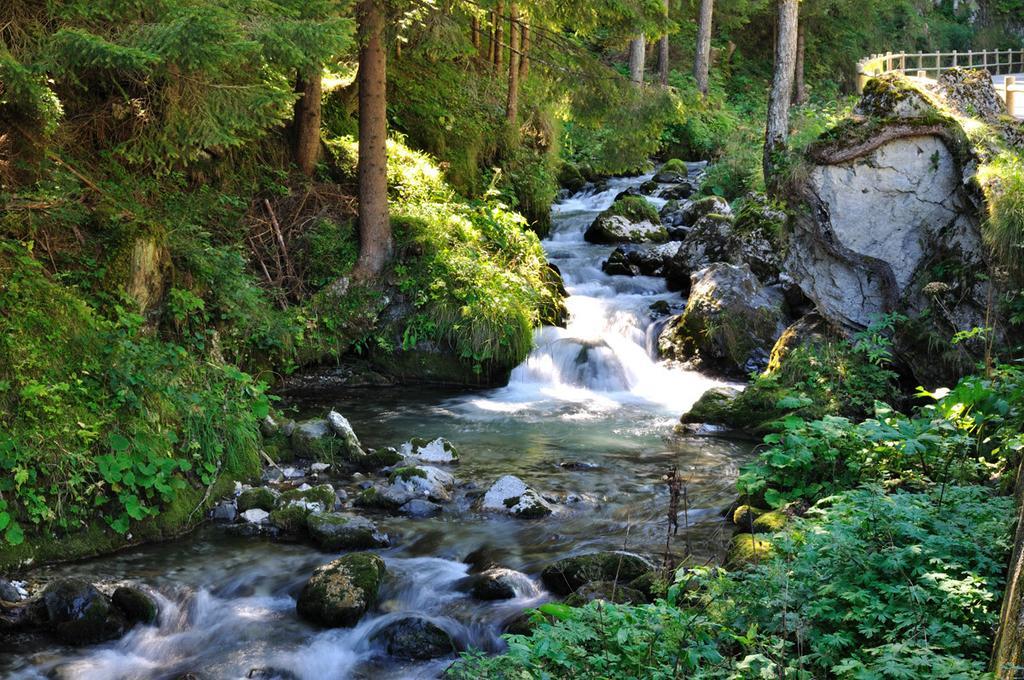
<point>878,221</point>
<point>891,221</point>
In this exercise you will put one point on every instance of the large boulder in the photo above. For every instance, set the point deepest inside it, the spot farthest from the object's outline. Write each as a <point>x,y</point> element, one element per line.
<point>566,575</point>
<point>638,261</point>
<point>334,531</point>
<point>79,614</point>
<point>511,495</point>
<point>339,593</point>
<point>631,219</point>
<point>709,240</point>
<point>620,229</point>
<point>886,197</point>
<point>730,323</point>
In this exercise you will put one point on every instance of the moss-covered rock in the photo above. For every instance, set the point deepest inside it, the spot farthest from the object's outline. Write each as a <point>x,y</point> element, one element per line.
<point>407,483</point>
<point>714,406</point>
<point>136,605</point>
<point>79,614</point>
<point>771,522</point>
<point>631,219</point>
<point>606,591</point>
<point>672,171</point>
<point>744,517</point>
<point>290,521</point>
<point>730,323</point>
<point>652,585</point>
<point>437,450</point>
<point>319,498</point>
<point>257,497</point>
<point>747,549</point>
<point>570,177</point>
<point>566,575</point>
<point>339,593</point>
<point>380,458</point>
<point>334,531</point>
<point>511,495</point>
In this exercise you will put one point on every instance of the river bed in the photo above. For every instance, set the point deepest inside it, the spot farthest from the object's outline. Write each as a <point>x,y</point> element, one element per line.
<point>588,419</point>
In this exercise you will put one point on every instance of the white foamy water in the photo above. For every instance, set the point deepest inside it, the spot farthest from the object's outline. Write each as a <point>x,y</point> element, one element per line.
<point>606,357</point>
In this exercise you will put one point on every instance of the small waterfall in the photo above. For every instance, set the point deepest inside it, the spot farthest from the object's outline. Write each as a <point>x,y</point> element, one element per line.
<point>607,355</point>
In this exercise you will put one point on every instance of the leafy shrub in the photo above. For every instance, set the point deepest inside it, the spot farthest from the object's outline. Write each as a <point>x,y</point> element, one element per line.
<point>880,585</point>
<point>117,427</point>
<point>969,435</point>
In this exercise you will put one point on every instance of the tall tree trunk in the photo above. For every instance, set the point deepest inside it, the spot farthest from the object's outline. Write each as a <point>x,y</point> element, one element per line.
<point>374,224</point>
<point>702,61</point>
<point>512,105</point>
<point>524,48</point>
<point>499,36</point>
<point>475,33</point>
<point>800,86</point>
<point>306,123</point>
<point>491,42</point>
<point>663,54</point>
<point>637,59</point>
<point>777,129</point>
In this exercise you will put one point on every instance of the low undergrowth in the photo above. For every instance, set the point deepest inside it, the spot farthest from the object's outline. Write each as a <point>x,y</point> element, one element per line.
<point>100,420</point>
<point>892,565</point>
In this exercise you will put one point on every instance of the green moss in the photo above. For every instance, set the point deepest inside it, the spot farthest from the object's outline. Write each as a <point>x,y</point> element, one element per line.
<point>322,494</point>
<point>634,209</point>
<point>771,522</point>
<point>258,497</point>
<point>380,458</point>
<point>745,515</point>
<point>674,165</point>
<point>178,518</point>
<point>405,473</point>
<point>291,520</point>
<point>746,550</point>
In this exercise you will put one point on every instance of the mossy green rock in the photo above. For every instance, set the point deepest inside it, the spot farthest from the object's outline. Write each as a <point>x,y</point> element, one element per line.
<point>290,520</point>
<point>747,549</point>
<point>570,177</point>
<point>652,585</point>
<point>322,495</point>
<point>339,593</point>
<point>674,170</point>
<point>335,531</point>
<point>136,605</point>
<point>380,458</point>
<point>259,497</point>
<point>713,406</point>
<point>744,517</point>
<point>79,614</point>
<point>567,575</point>
<point>771,522</point>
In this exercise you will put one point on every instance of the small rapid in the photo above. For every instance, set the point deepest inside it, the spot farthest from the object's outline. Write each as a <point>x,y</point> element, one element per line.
<point>606,356</point>
<point>587,420</point>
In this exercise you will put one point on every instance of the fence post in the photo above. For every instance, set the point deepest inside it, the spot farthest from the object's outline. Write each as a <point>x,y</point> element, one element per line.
<point>954,59</point>
<point>1011,95</point>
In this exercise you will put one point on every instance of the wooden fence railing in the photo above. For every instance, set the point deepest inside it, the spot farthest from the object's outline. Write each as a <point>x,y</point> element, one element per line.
<point>933,64</point>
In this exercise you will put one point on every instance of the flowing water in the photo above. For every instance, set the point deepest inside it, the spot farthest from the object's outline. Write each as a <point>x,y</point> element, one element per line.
<point>587,419</point>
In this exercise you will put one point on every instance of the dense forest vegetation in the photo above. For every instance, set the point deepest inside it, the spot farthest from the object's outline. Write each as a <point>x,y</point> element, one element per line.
<point>202,198</point>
